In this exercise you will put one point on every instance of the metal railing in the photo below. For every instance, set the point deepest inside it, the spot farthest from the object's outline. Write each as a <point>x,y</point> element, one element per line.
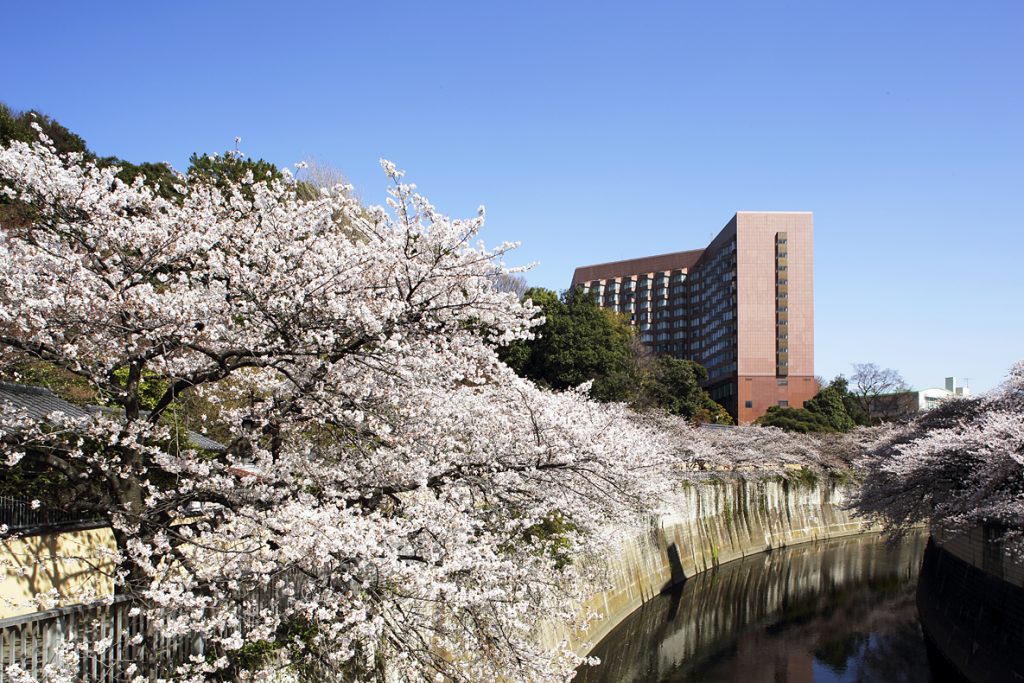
<point>100,640</point>
<point>19,515</point>
<point>104,640</point>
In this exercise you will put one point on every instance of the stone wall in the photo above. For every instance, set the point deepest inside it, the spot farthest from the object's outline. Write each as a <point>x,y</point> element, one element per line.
<point>970,599</point>
<point>717,521</point>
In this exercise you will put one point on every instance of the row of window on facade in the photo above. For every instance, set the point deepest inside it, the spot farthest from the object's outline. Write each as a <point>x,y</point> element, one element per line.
<point>782,404</point>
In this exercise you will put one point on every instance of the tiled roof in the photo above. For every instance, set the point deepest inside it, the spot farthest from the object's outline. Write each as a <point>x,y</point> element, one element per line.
<point>39,402</point>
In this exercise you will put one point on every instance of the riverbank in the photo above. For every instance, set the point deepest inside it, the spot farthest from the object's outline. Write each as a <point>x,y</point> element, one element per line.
<point>841,609</point>
<point>971,601</point>
<point>717,521</point>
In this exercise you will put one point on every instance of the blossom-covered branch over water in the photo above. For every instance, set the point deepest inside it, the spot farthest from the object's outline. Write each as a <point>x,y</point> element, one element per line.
<point>406,492</point>
<point>957,467</point>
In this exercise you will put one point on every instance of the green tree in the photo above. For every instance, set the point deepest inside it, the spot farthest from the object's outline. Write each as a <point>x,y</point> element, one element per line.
<point>579,341</point>
<point>829,404</point>
<point>795,420</point>
<point>18,126</point>
<point>229,168</point>
<point>674,385</point>
<point>828,411</point>
<point>158,175</point>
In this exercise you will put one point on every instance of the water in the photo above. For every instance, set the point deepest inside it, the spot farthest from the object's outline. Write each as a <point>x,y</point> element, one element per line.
<point>837,611</point>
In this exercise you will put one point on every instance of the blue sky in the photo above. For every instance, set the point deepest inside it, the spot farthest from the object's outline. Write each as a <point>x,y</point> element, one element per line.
<point>600,131</point>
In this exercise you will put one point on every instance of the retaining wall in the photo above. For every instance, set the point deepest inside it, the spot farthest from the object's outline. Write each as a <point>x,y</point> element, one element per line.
<point>970,598</point>
<point>716,522</point>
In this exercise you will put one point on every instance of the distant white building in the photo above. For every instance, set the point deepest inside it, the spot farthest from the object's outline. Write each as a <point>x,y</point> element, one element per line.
<point>905,404</point>
<point>929,398</point>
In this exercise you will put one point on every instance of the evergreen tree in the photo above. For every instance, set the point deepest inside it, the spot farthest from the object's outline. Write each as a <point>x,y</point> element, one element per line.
<point>829,404</point>
<point>828,411</point>
<point>578,342</point>
<point>230,169</point>
<point>674,385</point>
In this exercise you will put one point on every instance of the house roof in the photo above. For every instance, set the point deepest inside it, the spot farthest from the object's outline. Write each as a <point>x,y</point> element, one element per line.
<point>39,402</point>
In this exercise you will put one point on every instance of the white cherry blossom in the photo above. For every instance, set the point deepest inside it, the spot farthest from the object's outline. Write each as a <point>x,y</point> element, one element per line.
<point>391,495</point>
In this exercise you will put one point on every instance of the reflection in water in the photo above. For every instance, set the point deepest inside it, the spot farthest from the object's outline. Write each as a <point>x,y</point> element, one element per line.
<point>840,610</point>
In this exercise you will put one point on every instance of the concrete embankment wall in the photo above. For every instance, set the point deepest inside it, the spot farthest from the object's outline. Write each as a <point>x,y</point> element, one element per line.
<point>716,521</point>
<point>970,598</point>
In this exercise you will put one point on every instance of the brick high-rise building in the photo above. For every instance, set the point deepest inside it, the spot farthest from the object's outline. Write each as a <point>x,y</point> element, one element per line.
<point>743,307</point>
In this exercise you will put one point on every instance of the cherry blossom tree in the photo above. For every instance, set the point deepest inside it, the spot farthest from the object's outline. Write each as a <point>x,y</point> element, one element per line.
<point>761,451</point>
<point>402,495</point>
<point>956,467</point>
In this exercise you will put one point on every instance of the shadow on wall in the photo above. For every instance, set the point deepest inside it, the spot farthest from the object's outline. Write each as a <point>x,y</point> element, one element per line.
<point>65,567</point>
<point>675,563</point>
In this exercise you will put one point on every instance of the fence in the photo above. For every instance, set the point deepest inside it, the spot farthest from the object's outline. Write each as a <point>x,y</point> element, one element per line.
<point>35,641</point>
<point>19,516</point>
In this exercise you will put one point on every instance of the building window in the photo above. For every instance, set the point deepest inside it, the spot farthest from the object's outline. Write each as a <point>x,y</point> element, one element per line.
<point>749,404</point>
<point>783,404</point>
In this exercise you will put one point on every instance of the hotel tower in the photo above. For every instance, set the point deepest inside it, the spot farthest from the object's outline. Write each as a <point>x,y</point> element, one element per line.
<point>743,307</point>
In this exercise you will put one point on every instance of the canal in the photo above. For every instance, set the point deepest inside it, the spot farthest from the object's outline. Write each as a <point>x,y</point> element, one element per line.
<point>834,611</point>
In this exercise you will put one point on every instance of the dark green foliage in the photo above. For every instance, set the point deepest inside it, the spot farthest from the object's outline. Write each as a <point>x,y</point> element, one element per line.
<point>828,411</point>
<point>295,637</point>
<point>829,404</point>
<point>674,385</point>
<point>855,409</point>
<point>852,404</point>
<point>253,655</point>
<point>151,386</point>
<point>219,169</point>
<point>18,126</point>
<point>29,479</point>
<point>803,478</point>
<point>554,532</point>
<point>579,341</point>
<point>229,168</point>
<point>161,177</point>
<point>795,420</point>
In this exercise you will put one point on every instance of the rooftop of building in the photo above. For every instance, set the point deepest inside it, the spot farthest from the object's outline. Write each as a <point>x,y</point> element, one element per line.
<point>645,264</point>
<point>38,403</point>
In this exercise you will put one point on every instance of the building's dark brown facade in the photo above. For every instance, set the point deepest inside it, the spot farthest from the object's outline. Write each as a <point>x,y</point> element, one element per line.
<point>743,307</point>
